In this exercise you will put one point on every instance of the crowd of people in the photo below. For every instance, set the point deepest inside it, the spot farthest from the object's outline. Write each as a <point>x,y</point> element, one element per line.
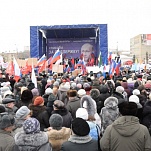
<point>70,113</point>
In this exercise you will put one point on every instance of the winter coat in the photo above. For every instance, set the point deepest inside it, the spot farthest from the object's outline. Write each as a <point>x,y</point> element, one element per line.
<point>18,125</point>
<point>94,130</point>
<point>58,137</point>
<point>126,134</point>
<point>146,120</point>
<point>91,108</point>
<point>76,143</point>
<point>72,106</point>
<point>28,142</point>
<point>63,97</point>
<point>40,113</point>
<point>109,114</point>
<point>7,141</point>
<point>118,95</point>
<point>66,115</point>
<point>103,96</point>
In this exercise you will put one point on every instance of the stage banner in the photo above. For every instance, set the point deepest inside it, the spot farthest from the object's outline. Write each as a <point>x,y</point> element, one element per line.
<point>70,48</point>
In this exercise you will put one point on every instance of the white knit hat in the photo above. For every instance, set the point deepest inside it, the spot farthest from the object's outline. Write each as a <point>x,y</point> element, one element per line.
<point>82,113</point>
<point>136,92</point>
<point>135,99</point>
<point>48,91</point>
<point>81,93</point>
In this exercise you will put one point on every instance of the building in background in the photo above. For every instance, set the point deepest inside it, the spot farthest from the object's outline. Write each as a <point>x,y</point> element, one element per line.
<point>140,48</point>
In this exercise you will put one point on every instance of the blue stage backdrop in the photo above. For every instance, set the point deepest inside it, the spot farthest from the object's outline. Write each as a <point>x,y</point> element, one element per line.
<point>69,39</point>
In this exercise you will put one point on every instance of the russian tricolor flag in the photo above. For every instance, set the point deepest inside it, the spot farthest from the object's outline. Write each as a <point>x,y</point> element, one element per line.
<point>56,56</point>
<point>41,60</point>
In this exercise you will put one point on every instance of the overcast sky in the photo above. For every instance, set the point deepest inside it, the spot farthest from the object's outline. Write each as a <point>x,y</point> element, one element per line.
<point>125,19</point>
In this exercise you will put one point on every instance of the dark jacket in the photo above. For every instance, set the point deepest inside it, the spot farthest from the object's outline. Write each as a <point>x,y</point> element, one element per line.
<point>40,113</point>
<point>73,105</point>
<point>104,94</point>
<point>146,120</point>
<point>76,143</point>
<point>66,115</point>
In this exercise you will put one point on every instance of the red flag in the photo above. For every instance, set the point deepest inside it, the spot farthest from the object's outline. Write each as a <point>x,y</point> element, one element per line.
<point>10,68</point>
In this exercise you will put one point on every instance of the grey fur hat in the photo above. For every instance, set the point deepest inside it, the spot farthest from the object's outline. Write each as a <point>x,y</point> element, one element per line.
<point>6,120</point>
<point>111,102</point>
<point>56,121</point>
<point>88,103</point>
<point>94,93</point>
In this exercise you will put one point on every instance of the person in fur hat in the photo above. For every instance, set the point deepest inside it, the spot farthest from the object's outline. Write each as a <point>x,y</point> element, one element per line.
<point>126,133</point>
<point>26,98</point>
<point>39,112</point>
<point>56,132</point>
<point>109,113</point>
<point>73,103</point>
<point>88,103</point>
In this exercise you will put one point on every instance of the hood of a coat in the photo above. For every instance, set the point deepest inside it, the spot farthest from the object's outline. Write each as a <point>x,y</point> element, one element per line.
<point>126,125</point>
<point>31,140</point>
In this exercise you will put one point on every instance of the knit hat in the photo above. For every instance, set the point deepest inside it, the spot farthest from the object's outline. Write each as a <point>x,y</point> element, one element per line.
<point>35,92</point>
<point>56,83</point>
<point>72,93</point>
<point>80,127</point>
<point>82,113</point>
<point>26,96</point>
<point>64,87</point>
<point>136,92</point>
<point>22,112</point>
<point>94,93</point>
<point>86,85</point>
<point>38,101</point>
<point>79,85</point>
<point>81,93</point>
<point>31,126</point>
<point>120,89</point>
<point>135,99</point>
<point>48,91</point>
<point>56,121</point>
<point>6,120</point>
<point>73,85</point>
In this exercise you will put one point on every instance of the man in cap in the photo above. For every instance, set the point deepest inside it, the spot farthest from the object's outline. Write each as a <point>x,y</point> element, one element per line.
<point>7,141</point>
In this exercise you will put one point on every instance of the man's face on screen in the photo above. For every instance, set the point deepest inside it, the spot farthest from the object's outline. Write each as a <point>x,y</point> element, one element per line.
<point>86,50</point>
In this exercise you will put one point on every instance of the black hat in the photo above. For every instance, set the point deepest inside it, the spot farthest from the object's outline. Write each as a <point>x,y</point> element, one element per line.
<point>7,100</point>
<point>26,96</point>
<point>128,108</point>
<point>80,127</point>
